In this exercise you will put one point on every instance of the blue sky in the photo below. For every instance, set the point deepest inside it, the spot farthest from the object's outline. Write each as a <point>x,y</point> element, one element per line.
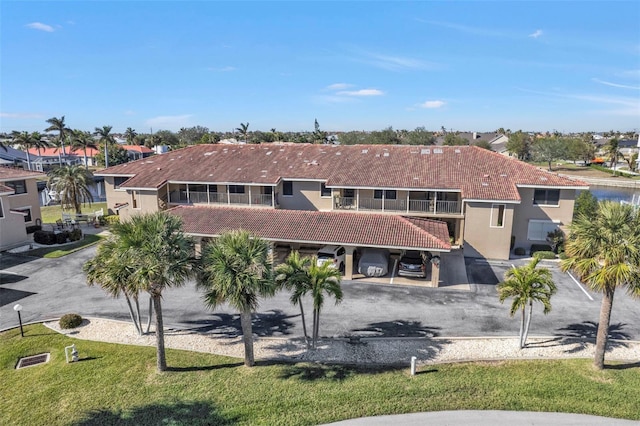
<point>468,66</point>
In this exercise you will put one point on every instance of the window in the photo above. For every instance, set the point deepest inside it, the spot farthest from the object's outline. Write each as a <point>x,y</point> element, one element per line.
<point>349,193</point>
<point>287,188</point>
<point>236,189</point>
<point>19,186</point>
<point>119,180</point>
<point>26,211</point>
<point>546,197</point>
<point>497,215</point>
<point>213,189</point>
<point>324,191</point>
<point>267,190</point>
<point>389,194</point>
<point>538,229</point>
<point>1,210</point>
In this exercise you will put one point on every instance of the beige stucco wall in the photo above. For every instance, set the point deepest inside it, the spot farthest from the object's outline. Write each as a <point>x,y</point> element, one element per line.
<point>13,231</point>
<point>482,240</point>
<point>306,196</point>
<point>114,196</point>
<point>147,202</point>
<point>527,211</point>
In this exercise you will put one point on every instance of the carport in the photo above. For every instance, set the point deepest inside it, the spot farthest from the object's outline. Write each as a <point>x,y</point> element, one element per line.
<point>301,228</point>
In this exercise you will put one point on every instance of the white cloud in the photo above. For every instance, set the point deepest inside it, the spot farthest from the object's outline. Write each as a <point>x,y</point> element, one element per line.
<point>536,34</point>
<point>622,86</point>
<point>432,104</point>
<point>339,86</point>
<point>361,92</point>
<point>20,115</point>
<point>40,26</point>
<point>169,122</point>
<point>222,69</point>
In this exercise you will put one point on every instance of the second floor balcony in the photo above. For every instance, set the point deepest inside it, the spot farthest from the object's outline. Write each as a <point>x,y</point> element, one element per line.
<point>183,194</point>
<point>399,205</point>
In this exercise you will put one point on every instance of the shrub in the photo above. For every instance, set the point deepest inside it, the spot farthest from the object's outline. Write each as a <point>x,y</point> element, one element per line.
<point>44,237</point>
<point>61,237</point>
<point>75,235</point>
<point>102,221</point>
<point>519,251</point>
<point>539,247</point>
<point>111,219</point>
<point>70,321</point>
<point>545,255</point>
<point>33,228</point>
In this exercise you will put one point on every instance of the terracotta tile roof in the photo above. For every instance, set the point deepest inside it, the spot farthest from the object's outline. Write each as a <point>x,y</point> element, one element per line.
<point>357,229</point>
<point>138,148</point>
<point>476,172</point>
<point>5,189</point>
<point>10,173</point>
<point>54,152</point>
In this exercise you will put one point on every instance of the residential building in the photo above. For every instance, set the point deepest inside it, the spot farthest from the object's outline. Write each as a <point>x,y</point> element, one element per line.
<point>47,158</point>
<point>483,201</point>
<point>137,152</point>
<point>19,205</point>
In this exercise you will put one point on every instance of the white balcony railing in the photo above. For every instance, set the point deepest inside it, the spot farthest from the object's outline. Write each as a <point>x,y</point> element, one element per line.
<point>182,197</point>
<point>414,206</point>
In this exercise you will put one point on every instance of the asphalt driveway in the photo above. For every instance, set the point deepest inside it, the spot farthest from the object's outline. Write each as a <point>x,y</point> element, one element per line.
<point>49,288</point>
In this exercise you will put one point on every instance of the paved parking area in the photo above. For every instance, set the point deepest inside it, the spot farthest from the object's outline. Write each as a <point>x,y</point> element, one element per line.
<point>49,288</point>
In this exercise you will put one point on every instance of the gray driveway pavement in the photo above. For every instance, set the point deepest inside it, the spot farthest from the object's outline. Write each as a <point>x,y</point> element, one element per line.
<point>49,288</point>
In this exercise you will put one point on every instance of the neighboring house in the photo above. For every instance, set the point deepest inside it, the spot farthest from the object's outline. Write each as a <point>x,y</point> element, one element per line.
<point>137,152</point>
<point>13,157</point>
<point>430,196</point>
<point>19,205</point>
<point>499,144</point>
<point>50,157</point>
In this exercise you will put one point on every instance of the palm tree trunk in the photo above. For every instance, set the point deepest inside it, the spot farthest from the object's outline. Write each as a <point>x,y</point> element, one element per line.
<point>160,352</point>
<point>603,328</point>
<point>85,158</point>
<point>106,154</point>
<point>304,324</point>
<point>247,337</point>
<point>522,329</point>
<point>133,318</point>
<point>138,320</point>
<point>526,328</point>
<point>150,315</point>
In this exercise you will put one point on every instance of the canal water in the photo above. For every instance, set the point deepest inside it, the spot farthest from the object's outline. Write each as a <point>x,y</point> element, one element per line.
<point>614,193</point>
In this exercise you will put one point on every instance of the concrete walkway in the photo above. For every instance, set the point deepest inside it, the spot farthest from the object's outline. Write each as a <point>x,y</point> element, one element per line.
<point>485,418</point>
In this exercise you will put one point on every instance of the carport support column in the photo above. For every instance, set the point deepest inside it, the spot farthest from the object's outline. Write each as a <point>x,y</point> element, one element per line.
<point>198,247</point>
<point>435,273</point>
<point>348,263</point>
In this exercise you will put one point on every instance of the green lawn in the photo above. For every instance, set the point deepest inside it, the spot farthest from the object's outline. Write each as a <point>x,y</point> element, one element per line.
<point>52,213</point>
<point>119,384</point>
<point>56,251</point>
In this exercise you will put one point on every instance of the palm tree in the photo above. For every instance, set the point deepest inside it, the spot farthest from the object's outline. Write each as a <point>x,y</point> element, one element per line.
<point>236,269</point>
<point>604,251</point>
<point>292,275</point>
<point>322,279</point>
<point>157,254</point>
<point>613,149</point>
<point>25,140</point>
<point>111,270</point>
<point>72,183</point>
<point>527,284</point>
<point>244,130</point>
<point>130,135</point>
<point>58,125</point>
<point>106,138</point>
<point>83,140</point>
<point>39,142</point>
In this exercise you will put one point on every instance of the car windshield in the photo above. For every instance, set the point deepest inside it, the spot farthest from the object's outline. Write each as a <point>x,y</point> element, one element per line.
<point>325,255</point>
<point>411,257</point>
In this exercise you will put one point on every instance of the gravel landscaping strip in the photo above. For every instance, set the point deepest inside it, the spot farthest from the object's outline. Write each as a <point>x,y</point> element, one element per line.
<point>367,351</point>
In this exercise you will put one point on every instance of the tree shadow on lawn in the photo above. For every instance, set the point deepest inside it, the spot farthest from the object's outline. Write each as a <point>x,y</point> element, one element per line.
<point>206,367</point>
<point>185,413</point>
<point>622,366</point>
<point>333,372</point>
<point>272,323</point>
<point>585,332</point>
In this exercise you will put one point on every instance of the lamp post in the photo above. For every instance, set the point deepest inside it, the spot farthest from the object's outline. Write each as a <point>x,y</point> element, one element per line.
<point>18,308</point>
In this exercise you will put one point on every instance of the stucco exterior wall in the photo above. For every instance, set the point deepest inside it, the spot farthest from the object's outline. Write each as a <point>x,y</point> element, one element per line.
<point>13,231</point>
<point>114,196</point>
<point>306,196</point>
<point>146,202</point>
<point>527,211</point>
<point>480,238</point>
<point>29,199</point>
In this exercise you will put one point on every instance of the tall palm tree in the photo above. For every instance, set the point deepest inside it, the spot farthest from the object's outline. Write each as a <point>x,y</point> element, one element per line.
<point>25,140</point>
<point>72,183</point>
<point>58,125</point>
<point>236,269</point>
<point>604,251</point>
<point>613,149</point>
<point>243,130</point>
<point>130,135</point>
<point>292,275</point>
<point>106,138</point>
<point>111,270</point>
<point>527,284</point>
<point>159,254</point>
<point>83,140</point>
<point>322,279</point>
<point>39,142</point>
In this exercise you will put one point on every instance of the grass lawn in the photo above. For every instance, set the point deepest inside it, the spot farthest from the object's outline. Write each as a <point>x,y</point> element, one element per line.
<point>119,384</point>
<point>54,252</point>
<point>52,213</point>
